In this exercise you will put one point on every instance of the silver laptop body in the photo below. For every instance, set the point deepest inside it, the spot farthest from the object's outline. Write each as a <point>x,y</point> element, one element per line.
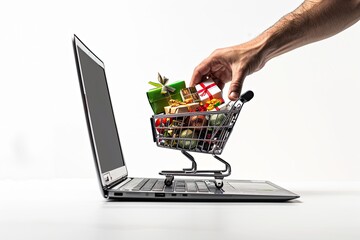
<point>109,161</point>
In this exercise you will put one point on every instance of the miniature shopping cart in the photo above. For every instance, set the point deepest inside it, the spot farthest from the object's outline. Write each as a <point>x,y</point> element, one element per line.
<point>201,132</point>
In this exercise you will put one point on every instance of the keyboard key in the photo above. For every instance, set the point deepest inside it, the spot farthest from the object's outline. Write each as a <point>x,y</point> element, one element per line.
<point>137,187</point>
<point>191,187</point>
<point>180,186</point>
<point>180,183</point>
<point>131,184</point>
<point>148,185</point>
<point>159,185</point>
<point>202,187</point>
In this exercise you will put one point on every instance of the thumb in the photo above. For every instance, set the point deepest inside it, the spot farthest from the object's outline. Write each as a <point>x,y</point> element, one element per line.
<point>236,85</point>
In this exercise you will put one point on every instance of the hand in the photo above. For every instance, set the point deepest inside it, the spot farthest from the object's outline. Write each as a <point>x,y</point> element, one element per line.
<point>230,64</point>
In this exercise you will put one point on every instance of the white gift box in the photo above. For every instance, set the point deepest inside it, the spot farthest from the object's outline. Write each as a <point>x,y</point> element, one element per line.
<point>208,90</point>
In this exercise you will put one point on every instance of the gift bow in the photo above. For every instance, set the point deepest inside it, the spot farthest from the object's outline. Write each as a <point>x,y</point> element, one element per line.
<point>162,83</point>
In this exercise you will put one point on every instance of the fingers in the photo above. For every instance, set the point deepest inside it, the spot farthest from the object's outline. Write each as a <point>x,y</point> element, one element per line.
<point>236,85</point>
<point>201,70</point>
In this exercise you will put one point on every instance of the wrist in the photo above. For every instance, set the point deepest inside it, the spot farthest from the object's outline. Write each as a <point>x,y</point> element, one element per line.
<point>252,55</point>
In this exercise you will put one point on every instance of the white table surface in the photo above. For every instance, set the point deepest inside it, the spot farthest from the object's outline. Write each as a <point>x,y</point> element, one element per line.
<point>59,209</point>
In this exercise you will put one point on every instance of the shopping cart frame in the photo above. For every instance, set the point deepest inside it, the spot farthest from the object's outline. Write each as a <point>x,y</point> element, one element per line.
<point>225,128</point>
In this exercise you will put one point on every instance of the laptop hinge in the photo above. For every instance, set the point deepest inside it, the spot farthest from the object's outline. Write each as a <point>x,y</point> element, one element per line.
<point>115,183</point>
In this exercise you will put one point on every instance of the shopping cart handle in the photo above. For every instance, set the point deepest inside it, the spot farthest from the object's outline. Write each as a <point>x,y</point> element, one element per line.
<point>246,96</point>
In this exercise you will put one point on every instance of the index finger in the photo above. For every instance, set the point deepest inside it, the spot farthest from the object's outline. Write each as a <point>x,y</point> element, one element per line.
<point>201,70</point>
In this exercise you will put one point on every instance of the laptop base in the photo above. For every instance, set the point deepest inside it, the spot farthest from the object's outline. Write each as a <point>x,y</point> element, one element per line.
<point>202,190</point>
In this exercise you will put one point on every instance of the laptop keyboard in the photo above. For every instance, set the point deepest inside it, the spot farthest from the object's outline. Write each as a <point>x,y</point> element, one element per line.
<point>147,185</point>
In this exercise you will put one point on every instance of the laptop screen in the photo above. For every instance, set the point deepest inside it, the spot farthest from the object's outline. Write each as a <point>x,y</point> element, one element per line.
<point>100,114</point>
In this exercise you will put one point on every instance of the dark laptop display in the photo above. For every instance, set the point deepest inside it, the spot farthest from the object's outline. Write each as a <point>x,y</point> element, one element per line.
<point>100,110</point>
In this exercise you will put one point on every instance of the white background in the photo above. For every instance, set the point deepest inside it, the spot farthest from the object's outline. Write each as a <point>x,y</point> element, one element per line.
<point>302,125</point>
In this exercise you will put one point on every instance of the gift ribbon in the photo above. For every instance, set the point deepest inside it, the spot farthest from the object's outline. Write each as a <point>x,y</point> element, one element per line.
<point>162,84</point>
<point>216,106</point>
<point>205,90</point>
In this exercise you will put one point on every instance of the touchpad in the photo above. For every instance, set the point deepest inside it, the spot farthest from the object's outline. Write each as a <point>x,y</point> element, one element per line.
<point>250,187</point>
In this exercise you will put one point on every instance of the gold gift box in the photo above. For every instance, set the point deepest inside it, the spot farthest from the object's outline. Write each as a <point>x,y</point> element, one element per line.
<point>181,108</point>
<point>189,95</point>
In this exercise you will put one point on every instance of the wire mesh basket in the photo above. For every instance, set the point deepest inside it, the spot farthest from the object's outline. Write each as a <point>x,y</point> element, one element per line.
<point>202,132</point>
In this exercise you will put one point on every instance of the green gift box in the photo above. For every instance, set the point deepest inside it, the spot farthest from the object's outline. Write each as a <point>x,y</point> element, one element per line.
<point>158,100</point>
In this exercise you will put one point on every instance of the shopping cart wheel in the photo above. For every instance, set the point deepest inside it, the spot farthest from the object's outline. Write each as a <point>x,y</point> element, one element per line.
<point>168,180</point>
<point>219,183</point>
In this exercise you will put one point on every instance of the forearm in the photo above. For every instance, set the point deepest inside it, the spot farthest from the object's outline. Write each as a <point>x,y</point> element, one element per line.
<point>310,22</point>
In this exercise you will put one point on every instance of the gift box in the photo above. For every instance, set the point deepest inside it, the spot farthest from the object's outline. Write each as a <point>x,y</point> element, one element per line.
<point>221,107</point>
<point>158,99</point>
<point>190,107</point>
<point>190,95</point>
<point>215,104</point>
<point>208,90</point>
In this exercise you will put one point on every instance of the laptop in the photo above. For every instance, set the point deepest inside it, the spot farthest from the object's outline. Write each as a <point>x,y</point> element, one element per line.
<point>115,183</point>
